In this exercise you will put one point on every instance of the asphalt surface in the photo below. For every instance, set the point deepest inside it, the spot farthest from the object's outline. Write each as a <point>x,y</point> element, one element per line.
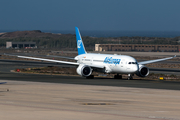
<point>97,81</point>
<point>21,100</point>
<point>6,66</point>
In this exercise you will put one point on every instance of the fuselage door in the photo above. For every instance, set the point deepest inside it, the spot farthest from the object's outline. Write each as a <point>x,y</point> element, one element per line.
<point>122,64</point>
<point>91,60</point>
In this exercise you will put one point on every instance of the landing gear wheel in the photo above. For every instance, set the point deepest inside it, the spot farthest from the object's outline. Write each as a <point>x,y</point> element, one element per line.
<point>90,77</point>
<point>130,78</point>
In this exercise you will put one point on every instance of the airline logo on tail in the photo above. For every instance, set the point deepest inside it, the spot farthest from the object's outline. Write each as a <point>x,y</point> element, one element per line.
<point>79,43</point>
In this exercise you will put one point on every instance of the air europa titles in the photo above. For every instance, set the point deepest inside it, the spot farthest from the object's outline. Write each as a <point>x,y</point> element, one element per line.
<point>110,60</point>
<point>79,43</point>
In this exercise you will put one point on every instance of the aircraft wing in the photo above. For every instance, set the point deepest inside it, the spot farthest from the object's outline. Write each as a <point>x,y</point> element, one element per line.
<point>153,61</point>
<point>61,57</point>
<point>56,61</point>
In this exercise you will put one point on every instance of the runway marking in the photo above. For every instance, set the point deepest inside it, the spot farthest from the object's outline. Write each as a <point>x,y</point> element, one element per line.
<point>3,82</point>
<point>97,104</point>
<point>111,114</point>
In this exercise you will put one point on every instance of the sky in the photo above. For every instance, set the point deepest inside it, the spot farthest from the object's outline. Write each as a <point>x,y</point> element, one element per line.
<point>118,15</point>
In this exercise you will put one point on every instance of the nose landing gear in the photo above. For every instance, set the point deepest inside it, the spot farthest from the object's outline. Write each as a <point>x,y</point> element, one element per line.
<point>130,76</point>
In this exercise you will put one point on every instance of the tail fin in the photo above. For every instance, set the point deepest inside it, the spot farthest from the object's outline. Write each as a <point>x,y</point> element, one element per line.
<point>80,45</point>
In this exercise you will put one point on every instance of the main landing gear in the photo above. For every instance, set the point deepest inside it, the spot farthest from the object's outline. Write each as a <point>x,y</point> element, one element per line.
<point>117,76</point>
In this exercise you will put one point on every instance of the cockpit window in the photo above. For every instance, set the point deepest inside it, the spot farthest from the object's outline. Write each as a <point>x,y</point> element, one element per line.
<point>132,63</point>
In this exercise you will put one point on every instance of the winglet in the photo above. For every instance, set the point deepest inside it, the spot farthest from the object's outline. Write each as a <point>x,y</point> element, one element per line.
<point>174,56</point>
<point>80,45</point>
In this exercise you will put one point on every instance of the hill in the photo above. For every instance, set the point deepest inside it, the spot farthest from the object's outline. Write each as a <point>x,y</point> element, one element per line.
<point>68,41</point>
<point>32,34</point>
<point>43,40</point>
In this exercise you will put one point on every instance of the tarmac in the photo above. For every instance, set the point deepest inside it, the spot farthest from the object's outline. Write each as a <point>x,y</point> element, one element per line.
<point>22,100</point>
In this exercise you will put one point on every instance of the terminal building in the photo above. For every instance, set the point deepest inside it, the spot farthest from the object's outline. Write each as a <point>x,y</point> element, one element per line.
<point>17,45</point>
<point>137,47</point>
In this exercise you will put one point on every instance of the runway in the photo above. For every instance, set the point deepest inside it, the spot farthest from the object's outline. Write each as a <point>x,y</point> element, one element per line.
<point>97,81</point>
<point>47,97</point>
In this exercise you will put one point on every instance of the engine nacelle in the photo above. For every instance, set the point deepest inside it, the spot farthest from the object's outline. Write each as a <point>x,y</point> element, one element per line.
<point>143,71</point>
<point>84,70</point>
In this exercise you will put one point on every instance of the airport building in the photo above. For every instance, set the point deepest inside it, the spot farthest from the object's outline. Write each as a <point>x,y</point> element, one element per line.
<point>17,45</point>
<point>137,47</point>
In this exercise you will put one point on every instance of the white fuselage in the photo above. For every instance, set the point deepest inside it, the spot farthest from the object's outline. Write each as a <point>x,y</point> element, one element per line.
<point>112,63</point>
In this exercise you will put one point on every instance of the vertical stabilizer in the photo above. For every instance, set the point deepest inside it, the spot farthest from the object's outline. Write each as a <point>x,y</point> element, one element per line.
<point>80,45</point>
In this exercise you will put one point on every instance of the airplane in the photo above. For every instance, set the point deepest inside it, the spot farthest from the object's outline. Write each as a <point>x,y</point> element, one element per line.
<point>87,63</point>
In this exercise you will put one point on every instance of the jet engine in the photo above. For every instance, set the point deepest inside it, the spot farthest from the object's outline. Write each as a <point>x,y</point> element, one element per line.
<point>143,71</point>
<point>84,70</point>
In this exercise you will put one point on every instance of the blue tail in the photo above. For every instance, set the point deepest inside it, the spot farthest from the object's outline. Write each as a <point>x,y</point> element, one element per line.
<point>80,45</point>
